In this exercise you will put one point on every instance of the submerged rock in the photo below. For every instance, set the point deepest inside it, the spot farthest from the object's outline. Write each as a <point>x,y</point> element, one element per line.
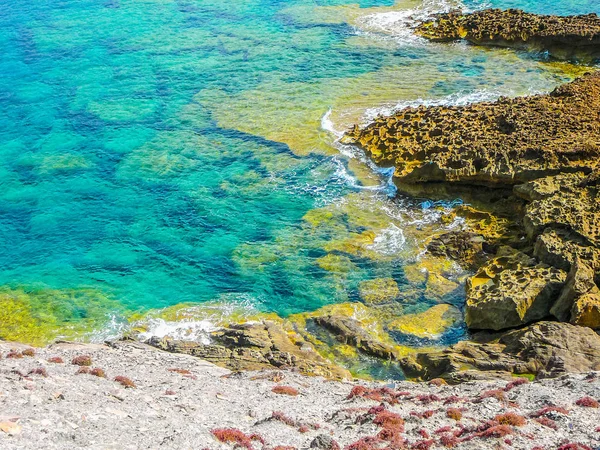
<point>428,324</point>
<point>498,144</point>
<point>462,246</point>
<point>255,346</point>
<point>379,290</point>
<point>516,28</point>
<point>544,349</point>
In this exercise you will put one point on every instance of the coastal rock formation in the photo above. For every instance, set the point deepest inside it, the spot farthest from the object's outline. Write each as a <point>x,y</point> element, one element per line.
<point>514,28</point>
<point>498,144</point>
<point>350,332</point>
<point>462,246</point>
<point>544,349</point>
<point>255,346</point>
<point>429,323</point>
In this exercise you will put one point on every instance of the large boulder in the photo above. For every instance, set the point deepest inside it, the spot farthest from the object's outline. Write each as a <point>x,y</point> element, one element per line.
<point>516,28</point>
<point>255,346</point>
<point>544,349</point>
<point>498,144</point>
<point>511,290</point>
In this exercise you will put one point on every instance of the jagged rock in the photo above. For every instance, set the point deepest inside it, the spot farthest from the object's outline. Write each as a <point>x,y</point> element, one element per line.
<point>586,310</point>
<point>511,291</point>
<point>515,28</point>
<point>498,144</point>
<point>324,442</point>
<point>350,332</point>
<point>580,281</point>
<point>462,246</point>
<point>255,346</point>
<point>559,248</point>
<point>544,349</point>
<point>573,205</point>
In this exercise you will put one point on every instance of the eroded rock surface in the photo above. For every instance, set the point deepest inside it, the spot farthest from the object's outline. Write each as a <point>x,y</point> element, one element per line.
<point>255,346</point>
<point>510,291</point>
<point>498,144</point>
<point>515,28</point>
<point>544,349</point>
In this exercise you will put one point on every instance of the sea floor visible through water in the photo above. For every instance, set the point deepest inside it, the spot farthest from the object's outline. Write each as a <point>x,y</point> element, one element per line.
<point>171,166</point>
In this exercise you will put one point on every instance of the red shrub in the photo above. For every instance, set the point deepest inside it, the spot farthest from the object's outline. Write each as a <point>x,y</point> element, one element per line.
<point>281,417</point>
<point>454,413</point>
<point>83,370</point>
<point>424,434</point>
<point>170,392</point>
<point>14,355</point>
<point>82,360</point>
<point>498,394</point>
<point>452,399</point>
<point>449,441</point>
<point>574,446</point>
<point>497,431</point>
<point>233,436</point>
<point>423,415</point>
<point>438,382</point>
<point>548,409</point>
<point>389,420</point>
<point>124,381</point>
<point>56,360</point>
<point>285,390</point>
<point>587,402</point>
<point>515,383</point>
<point>98,372</point>
<point>445,429</point>
<point>422,445</point>
<point>28,352</point>
<point>511,418</point>
<point>366,443</point>
<point>428,398</point>
<point>39,371</point>
<point>284,447</point>
<point>383,394</point>
<point>547,422</point>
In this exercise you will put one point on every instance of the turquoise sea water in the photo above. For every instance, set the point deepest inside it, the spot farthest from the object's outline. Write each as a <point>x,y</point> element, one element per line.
<point>154,153</point>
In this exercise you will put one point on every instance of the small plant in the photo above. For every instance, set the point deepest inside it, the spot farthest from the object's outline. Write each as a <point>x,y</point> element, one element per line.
<point>511,418</point>
<point>180,371</point>
<point>550,409</point>
<point>125,382</point>
<point>56,360</point>
<point>389,420</point>
<point>303,429</point>
<point>13,354</point>
<point>445,429</point>
<point>587,402</point>
<point>98,372</point>
<point>285,390</point>
<point>449,441</point>
<point>170,392</point>
<point>83,370</point>
<point>428,398</point>
<point>236,437</point>
<point>39,371</point>
<point>366,443</point>
<point>574,446</point>
<point>454,414</point>
<point>284,447</point>
<point>423,445</point>
<point>498,394</point>
<point>498,431</point>
<point>28,352</point>
<point>515,383</point>
<point>423,415</point>
<point>438,382</point>
<point>82,360</point>
<point>452,399</point>
<point>281,417</point>
<point>545,421</point>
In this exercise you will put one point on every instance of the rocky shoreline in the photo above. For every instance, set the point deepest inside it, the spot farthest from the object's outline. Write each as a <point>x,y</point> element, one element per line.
<point>543,151</point>
<point>130,396</point>
<point>562,36</point>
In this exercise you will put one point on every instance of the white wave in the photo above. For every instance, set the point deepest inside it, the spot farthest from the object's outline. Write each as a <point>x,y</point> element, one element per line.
<point>389,241</point>
<point>456,99</point>
<point>113,329</point>
<point>400,24</point>
<point>327,125</point>
<point>189,330</point>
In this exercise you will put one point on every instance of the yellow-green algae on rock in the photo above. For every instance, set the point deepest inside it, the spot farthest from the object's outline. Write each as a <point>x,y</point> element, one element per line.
<point>428,324</point>
<point>40,316</point>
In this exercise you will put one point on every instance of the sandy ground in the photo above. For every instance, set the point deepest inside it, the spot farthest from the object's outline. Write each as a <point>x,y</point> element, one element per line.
<point>179,410</point>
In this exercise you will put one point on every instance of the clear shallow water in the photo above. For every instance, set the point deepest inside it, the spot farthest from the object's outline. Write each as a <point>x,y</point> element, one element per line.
<point>155,153</point>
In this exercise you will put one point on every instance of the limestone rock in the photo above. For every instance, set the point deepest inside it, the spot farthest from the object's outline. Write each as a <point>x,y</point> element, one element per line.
<point>427,324</point>
<point>255,346</point>
<point>510,291</point>
<point>586,310</point>
<point>559,248</point>
<point>580,281</point>
<point>515,28</point>
<point>349,331</point>
<point>462,246</point>
<point>498,144</point>
<point>574,206</point>
<point>544,349</point>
